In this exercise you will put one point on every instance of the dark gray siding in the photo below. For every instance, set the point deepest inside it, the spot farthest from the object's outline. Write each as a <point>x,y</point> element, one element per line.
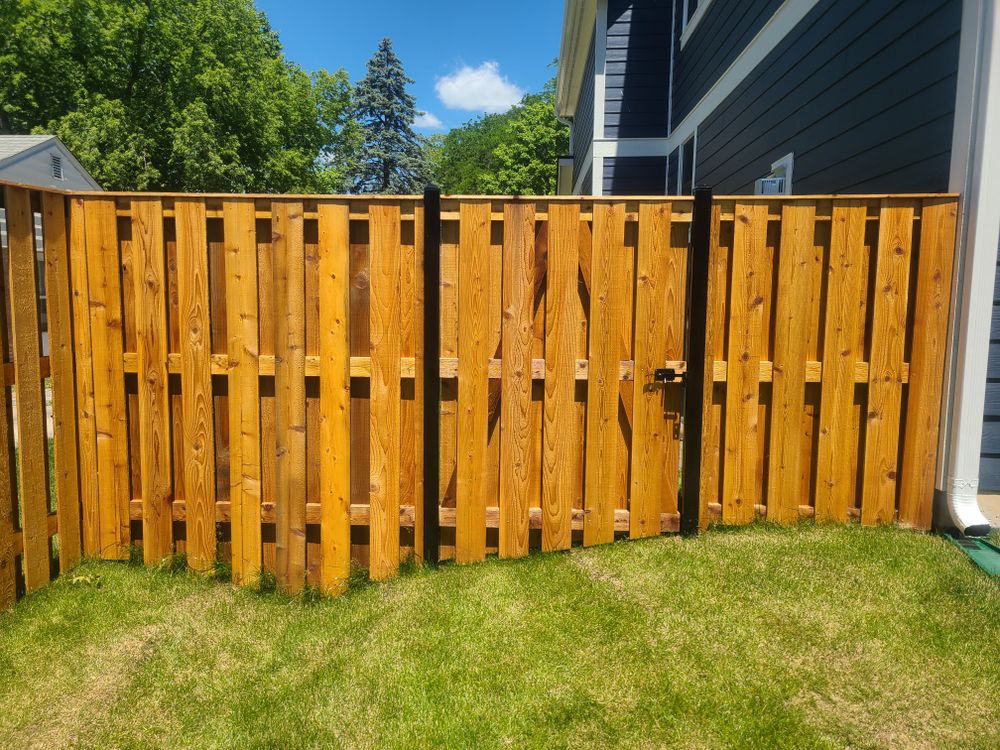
<point>989,461</point>
<point>588,178</point>
<point>583,120</point>
<point>723,33</point>
<point>863,93</point>
<point>637,69</point>
<point>635,175</point>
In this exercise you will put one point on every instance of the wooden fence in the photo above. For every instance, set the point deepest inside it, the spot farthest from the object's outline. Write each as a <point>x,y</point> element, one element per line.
<point>239,378</point>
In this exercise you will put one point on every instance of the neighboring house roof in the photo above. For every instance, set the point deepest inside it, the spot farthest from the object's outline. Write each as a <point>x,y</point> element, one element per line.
<point>578,28</point>
<point>14,148</point>
<point>12,145</point>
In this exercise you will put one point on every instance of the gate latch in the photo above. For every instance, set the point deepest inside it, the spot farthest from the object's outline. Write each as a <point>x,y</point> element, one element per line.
<point>666,375</point>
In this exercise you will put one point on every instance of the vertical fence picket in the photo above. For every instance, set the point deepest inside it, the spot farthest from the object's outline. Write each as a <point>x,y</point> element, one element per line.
<point>239,229</point>
<point>384,412</point>
<point>746,311</point>
<point>84,381</point>
<point>154,410</point>
<point>61,354</point>
<point>789,372</point>
<point>104,272</point>
<point>561,427</point>
<point>885,367</point>
<point>656,284</point>
<point>930,329</point>
<point>418,381</point>
<point>8,472</point>
<point>515,376</point>
<point>835,482</point>
<point>32,470</point>
<point>335,396</point>
<point>196,382</point>
<point>608,269</point>
<point>290,394</point>
<point>713,414</point>
<point>473,381</point>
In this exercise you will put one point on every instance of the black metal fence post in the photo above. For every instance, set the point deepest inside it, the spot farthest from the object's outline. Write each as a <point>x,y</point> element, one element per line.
<point>432,372</point>
<point>694,380</point>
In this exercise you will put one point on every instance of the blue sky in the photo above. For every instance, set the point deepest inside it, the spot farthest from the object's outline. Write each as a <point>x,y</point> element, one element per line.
<point>466,56</point>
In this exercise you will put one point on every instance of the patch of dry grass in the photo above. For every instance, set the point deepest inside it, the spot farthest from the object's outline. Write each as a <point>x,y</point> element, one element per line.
<point>763,637</point>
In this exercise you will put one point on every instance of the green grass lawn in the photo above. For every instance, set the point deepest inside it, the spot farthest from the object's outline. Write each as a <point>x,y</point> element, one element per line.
<point>762,637</point>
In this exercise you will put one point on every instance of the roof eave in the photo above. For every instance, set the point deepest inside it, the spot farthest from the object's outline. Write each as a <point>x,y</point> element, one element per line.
<point>578,29</point>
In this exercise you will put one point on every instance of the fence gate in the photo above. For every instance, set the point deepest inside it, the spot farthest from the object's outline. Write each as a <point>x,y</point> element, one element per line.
<point>562,331</point>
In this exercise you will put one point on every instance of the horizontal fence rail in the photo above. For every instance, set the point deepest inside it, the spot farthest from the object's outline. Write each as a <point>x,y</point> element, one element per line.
<point>240,378</point>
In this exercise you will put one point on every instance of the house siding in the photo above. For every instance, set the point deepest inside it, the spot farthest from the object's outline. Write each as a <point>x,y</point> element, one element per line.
<point>583,120</point>
<point>635,175</point>
<point>34,167</point>
<point>637,69</point>
<point>725,30</point>
<point>862,92</point>
<point>989,460</point>
<point>673,162</point>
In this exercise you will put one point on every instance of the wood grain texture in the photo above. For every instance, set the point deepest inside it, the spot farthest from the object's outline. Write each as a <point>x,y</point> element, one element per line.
<point>290,393</point>
<point>335,396</point>
<point>561,429</point>
<point>150,279</point>
<point>746,313</point>
<point>606,313</point>
<point>473,381</point>
<point>10,542</point>
<point>419,352</point>
<point>793,300</point>
<point>84,381</point>
<point>31,464</point>
<point>846,292</point>
<point>59,315</point>
<point>713,415</point>
<point>196,382</point>
<point>657,285</point>
<point>104,278</point>
<point>927,360</point>
<point>385,349</point>
<point>885,376</point>
<point>515,382</point>
<point>244,388</point>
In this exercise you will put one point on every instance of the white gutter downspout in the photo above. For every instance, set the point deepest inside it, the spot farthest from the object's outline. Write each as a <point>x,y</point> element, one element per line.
<point>975,174</point>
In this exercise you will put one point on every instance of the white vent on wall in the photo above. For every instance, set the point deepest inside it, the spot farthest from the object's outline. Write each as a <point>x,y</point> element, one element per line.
<point>769,186</point>
<point>57,167</point>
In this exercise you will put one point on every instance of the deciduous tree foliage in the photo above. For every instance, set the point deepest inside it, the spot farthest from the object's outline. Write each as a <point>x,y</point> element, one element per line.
<point>514,153</point>
<point>392,157</point>
<point>188,95</point>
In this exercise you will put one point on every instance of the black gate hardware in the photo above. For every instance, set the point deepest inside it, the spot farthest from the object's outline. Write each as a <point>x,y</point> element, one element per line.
<point>666,375</point>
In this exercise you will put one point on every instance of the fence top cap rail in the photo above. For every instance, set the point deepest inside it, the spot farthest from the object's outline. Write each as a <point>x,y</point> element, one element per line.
<point>526,198</point>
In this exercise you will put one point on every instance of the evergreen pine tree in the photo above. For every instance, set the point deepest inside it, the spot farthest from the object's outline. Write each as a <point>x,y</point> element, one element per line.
<point>392,158</point>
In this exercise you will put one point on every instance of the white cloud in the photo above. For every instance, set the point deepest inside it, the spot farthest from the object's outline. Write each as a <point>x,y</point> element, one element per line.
<point>427,121</point>
<point>480,89</point>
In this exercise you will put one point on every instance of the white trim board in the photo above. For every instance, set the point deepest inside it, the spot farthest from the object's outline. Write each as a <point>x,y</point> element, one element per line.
<point>612,147</point>
<point>692,24</point>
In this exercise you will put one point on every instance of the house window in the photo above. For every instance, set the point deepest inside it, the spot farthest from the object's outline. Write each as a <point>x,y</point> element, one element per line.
<point>687,167</point>
<point>57,167</point>
<point>693,12</point>
<point>779,180</point>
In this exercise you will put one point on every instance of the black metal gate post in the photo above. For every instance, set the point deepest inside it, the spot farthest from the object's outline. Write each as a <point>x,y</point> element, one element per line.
<point>694,380</point>
<point>432,372</point>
